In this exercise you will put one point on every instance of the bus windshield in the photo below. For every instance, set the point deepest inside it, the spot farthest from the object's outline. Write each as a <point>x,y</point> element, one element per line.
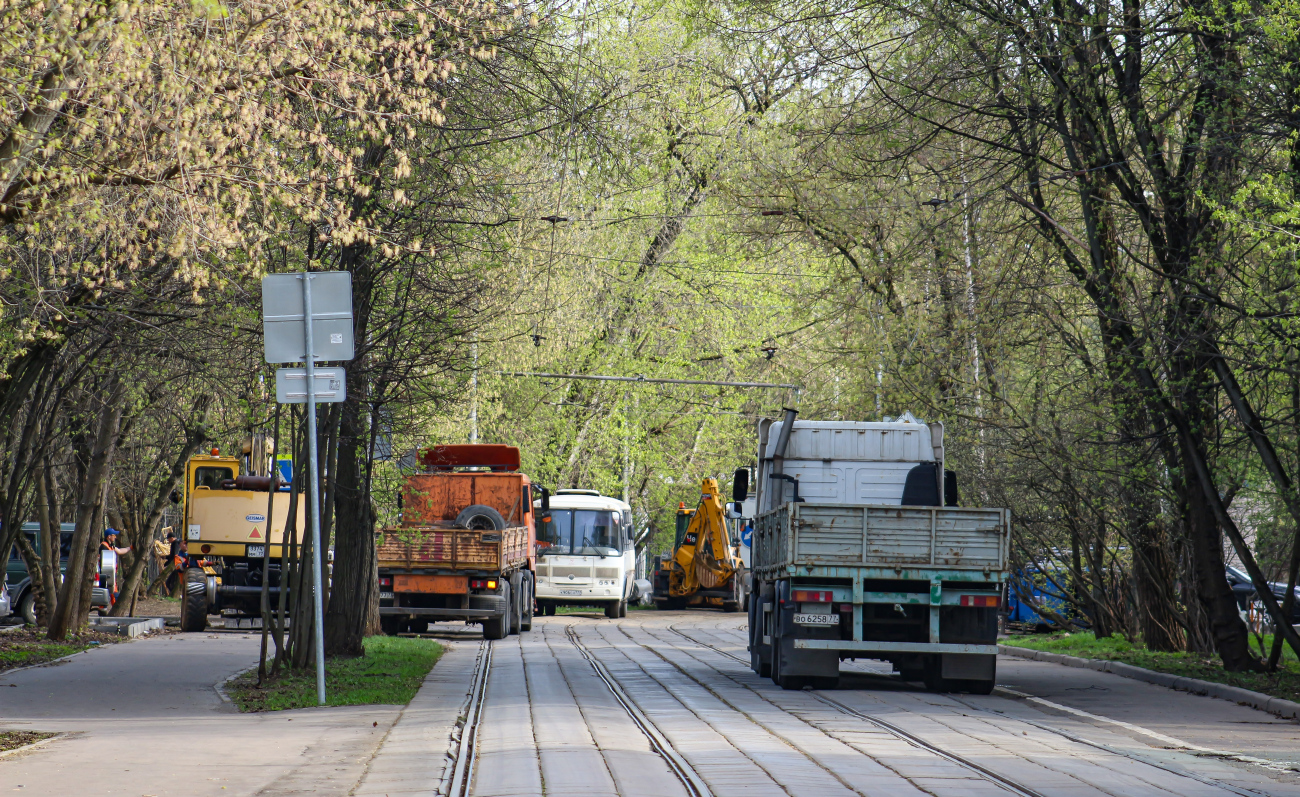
<point>581,532</point>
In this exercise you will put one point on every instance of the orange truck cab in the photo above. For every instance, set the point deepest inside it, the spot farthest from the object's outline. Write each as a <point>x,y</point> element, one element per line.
<point>465,548</point>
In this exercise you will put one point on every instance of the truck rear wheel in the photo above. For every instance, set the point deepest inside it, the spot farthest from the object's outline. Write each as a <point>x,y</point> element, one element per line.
<point>791,682</point>
<point>391,624</point>
<point>194,603</point>
<point>514,605</point>
<point>499,627</point>
<point>526,619</point>
<point>760,655</point>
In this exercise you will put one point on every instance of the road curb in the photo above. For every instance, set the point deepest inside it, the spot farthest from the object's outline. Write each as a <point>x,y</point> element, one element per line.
<point>1286,709</point>
<point>33,745</point>
<point>131,627</point>
<point>220,687</point>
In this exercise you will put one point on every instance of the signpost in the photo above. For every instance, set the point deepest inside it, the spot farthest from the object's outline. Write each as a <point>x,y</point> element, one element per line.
<point>306,318</point>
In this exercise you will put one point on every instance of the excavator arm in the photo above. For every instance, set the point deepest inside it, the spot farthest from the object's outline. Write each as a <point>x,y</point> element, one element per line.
<point>704,559</point>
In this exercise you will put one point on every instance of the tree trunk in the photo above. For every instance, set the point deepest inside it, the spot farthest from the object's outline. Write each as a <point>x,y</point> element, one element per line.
<point>354,609</point>
<point>195,434</point>
<point>69,613</point>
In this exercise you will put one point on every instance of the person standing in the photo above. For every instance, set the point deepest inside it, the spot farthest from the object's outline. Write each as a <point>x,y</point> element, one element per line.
<point>175,557</point>
<point>110,544</point>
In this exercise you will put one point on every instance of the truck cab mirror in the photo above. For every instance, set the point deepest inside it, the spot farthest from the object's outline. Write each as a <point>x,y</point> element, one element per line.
<point>175,496</point>
<point>740,485</point>
<point>546,498</point>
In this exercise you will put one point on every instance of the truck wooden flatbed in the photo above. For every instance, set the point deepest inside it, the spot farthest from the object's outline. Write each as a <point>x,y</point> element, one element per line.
<point>465,548</point>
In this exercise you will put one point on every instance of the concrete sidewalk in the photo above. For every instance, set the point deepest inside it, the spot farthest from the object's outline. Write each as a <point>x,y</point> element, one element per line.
<point>143,718</point>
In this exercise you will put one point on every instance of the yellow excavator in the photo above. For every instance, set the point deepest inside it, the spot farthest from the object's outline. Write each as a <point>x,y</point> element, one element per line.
<point>704,570</point>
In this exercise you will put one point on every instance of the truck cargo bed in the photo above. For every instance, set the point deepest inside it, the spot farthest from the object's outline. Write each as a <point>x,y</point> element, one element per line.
<point>847,535</point>
<point>455,549</point>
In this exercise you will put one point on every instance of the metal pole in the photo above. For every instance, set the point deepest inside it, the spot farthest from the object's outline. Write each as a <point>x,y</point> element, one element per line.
<point>318,554</point>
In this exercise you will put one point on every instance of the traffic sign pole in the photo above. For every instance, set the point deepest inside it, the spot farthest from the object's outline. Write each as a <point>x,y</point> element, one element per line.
<point>285,325</point>
<point>317,552</point>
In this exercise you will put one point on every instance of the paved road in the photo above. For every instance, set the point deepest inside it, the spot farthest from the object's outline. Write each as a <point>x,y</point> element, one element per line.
<point>143,718</point>
<point>660,704</point>
<point>698,721</point>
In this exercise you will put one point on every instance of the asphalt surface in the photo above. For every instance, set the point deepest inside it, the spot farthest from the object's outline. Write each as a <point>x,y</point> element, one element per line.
<point>552,725</point>
<point>660,703</point>
<point>143,718</point>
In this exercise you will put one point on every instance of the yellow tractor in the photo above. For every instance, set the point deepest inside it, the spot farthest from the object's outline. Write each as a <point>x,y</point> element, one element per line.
<point>705,569</point>
<point>227,532</point>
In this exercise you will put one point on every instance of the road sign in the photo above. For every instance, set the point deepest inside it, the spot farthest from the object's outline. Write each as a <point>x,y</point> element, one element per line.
<point>291,385</point>
<point>306,318</point>
<point>283,320</point>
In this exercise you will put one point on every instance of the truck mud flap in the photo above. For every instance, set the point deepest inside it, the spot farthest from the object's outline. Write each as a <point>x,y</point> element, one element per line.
<point>968,666</point>
<point>802,662</point>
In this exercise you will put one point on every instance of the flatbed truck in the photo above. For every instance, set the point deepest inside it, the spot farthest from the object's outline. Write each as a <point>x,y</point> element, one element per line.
<point>860,551</point>
<point>466,546</point>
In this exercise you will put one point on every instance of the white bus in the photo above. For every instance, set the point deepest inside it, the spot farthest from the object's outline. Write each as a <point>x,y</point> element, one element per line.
<point>585,553</point>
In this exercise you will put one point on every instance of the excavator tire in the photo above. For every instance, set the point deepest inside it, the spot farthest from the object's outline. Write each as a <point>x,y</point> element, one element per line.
<point>194,606</point>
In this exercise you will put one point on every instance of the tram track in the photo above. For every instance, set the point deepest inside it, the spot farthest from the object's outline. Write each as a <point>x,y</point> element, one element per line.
<point>899,733</point>
<point>796,718</point>
<point>462,769</point>
<point>684,772</point>
<point>961,760</point>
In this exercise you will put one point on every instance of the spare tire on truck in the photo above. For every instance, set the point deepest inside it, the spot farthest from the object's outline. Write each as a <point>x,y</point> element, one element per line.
<point>480,518</point>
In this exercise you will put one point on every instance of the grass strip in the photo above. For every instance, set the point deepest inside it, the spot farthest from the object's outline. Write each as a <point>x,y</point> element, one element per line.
<point>12,740</point>
<point>1285,683</point>
<point>29,645</point>
<point>390,673</point>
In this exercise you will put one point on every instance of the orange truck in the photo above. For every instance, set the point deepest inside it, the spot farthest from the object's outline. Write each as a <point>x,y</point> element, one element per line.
<point>466,546</point>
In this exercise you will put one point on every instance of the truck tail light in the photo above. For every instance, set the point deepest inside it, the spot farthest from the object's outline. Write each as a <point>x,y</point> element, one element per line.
<point>385,581</point>
<point>982,601</point>
<point>812,596</point>
<point>481,583</point>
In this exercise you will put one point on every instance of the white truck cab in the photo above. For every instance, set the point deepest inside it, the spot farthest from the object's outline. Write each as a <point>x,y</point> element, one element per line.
<point>585,552</point>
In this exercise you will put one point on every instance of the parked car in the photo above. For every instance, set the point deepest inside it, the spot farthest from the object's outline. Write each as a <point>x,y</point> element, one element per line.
<point>22,600</point>
<point>1244,591</point>
<point>1035,597</point>
<point>5,611</point>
